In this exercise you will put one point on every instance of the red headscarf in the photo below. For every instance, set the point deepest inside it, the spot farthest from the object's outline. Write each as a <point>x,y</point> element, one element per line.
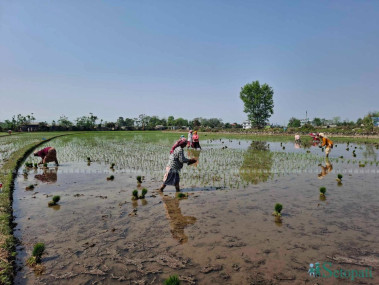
<point>180,142</point>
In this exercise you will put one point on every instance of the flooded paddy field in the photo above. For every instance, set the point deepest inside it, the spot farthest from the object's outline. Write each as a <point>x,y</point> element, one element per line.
<point>223,232</point>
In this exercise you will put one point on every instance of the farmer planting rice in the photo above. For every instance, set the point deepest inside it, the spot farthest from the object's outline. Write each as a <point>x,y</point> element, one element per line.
<point>48,154</point>
<point>175,164</point>
<point>189,143</point>
<point>195,138</point>
<point>326,142</point>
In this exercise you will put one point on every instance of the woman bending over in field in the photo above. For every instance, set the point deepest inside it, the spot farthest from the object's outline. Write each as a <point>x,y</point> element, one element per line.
<point>175,164</point>
<point>48,154</point>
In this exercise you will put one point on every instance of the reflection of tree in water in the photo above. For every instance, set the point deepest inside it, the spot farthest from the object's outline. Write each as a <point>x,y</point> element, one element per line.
<point>194,154</point>
<point>48,176</point>
<point>257,163</point>
<point>178,222</point>
<point>369,152</point>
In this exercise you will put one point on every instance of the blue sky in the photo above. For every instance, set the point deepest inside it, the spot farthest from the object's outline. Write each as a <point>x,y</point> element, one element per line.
<point>187,58</point>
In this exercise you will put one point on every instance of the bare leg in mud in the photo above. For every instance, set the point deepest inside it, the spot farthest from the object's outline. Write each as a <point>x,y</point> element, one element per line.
<point>164,186</point>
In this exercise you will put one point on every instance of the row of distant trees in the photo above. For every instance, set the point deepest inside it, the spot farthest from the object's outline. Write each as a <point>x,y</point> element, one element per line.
<point>366,122</point>
<point>93,122</point>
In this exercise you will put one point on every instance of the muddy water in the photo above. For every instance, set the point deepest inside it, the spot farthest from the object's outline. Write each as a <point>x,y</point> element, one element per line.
<point>98,235</point>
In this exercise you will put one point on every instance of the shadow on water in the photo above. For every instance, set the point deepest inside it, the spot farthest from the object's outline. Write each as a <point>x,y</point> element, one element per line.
<point>178,222</point>
<point>257,163</point>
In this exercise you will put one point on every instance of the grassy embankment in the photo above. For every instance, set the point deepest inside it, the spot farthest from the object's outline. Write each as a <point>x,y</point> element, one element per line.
<point>8,172</point>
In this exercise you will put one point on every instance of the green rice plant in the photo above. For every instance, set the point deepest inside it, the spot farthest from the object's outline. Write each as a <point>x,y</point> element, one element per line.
<point>339,176</point>
<point>54,200</point>
<point>110,178</point>
<point>144,191</point>
<point>322,191</point>
<point>36,257</point>
<point>88,159</point>
<point>172,280</point>
<point>181,195</point>
<point>139,179</point>
<point>30,187</point>
<point>35,165</point>
<point>278,209</point>
<point>45,165</point>
<point>112,165</point>
<point>28,164</point>
<point>135,194</point>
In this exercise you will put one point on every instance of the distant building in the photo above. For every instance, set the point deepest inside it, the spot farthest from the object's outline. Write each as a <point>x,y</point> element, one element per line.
<point>31,127</point>
<point>246,125</point>
<point>304,122</point>
<point>160,127</point>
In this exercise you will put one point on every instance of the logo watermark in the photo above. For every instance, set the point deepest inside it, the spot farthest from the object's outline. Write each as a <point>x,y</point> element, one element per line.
<point>325,270</point>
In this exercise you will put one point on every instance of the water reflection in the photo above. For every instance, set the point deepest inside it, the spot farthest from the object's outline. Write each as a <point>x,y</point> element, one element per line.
<point>178,222</point>
<point>49,175</point>
<point>257,163</point>
<point>369,152</point>
<point>325,170</point>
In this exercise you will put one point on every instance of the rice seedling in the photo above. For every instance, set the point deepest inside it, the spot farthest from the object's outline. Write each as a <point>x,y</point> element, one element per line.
<point>54,201</point>
<point>181,195</point>
<point>29,164</point>
<point>112,166</point>
<point>139,179</point>
<point>38,250</point>
<point>144,191</point>
<point>135,194</point>
<point>35,165</point>
<point>322,191</point>
<point>278,209</point>
<point>362,165</point>
<point>45,165</point>
<point>88,159</point>
<point>30,187</point>
<point>172,280</point>
<point>339,177</point>
<point>110,178</point>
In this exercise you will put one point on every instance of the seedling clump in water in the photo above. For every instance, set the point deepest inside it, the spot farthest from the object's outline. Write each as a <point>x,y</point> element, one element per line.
<point>278,210</point>
<point>181,195</point>
<point>144,191</point>
<point>30,187</point>
<point>54,201</point>
<point>339,177</point>
<point>135,194</point>
<point>112,166</point>
<point>172,280</point>
<point>322,191</point>
<point>110,178</point>
<point>139,179</point>
<point>38,250</point>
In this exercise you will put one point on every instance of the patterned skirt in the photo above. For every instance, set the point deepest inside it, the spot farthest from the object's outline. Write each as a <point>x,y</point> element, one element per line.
<point>171,177</point>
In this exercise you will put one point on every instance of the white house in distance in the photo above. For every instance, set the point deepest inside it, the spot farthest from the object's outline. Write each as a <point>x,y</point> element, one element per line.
<point>246,125</point>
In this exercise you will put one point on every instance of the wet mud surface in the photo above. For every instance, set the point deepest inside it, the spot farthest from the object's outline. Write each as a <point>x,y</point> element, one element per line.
<point>98,235</point>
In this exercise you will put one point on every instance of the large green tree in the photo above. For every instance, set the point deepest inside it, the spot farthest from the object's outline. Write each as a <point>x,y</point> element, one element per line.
<point>294,123</point>
<point>258,103</point>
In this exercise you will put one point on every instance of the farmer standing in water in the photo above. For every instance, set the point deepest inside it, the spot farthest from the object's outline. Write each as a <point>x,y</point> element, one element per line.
<point>48,154</point>
<point>326,142</point>
<point>175,164</point>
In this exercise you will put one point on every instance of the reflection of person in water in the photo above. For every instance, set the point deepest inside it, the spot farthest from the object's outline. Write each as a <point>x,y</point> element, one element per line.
<point>325,169</point>
<point>48,176</point>
<point>178,222</point>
